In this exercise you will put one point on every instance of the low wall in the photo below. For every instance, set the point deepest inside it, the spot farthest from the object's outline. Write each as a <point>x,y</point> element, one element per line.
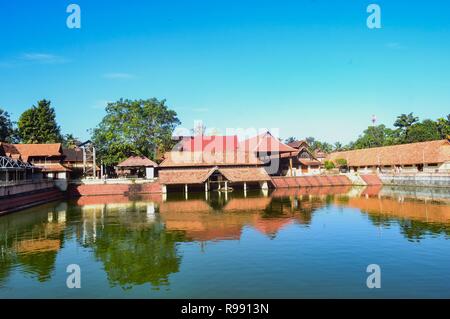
<point>421,179</point>
<point>99,188</point>
<point>26,187</point>
<point>21,201</point>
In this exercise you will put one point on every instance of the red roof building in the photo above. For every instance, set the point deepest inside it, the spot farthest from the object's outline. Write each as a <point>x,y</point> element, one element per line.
<point>203,143</point>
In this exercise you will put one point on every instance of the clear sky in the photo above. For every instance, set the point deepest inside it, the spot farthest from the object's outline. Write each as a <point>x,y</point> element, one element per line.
<point>309,68</point>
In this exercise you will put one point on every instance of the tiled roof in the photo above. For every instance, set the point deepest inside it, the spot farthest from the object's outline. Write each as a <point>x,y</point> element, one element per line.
<point>404,154</point>
<point>47,150</point>
<point>203,143</point>
<point>54,167</point>
<point>184,176</point>
<point>200,175</point>
<point>186,159</point>
<point>298,144</point>
<point>264,143</point>
<point>245,174</point>
<point>137,161</point>
<point>309,162</point>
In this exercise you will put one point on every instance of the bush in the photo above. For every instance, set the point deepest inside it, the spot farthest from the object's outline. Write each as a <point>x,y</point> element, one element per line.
<point>329,165</point>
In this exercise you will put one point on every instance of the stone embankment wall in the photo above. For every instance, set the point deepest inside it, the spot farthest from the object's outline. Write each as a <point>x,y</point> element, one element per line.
<point>104,188</point>
<point>419,179</point>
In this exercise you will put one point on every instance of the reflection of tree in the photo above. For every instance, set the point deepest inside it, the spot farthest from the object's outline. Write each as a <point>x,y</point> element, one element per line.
<point>137,256</point>
<point>416,230</point>
<point>413,230</point>
<point>40,264</point>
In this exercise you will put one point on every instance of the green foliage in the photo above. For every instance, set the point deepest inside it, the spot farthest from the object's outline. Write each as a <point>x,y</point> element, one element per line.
<point>70,141</point>
<point>315,145</point>
<point>134,127</point>
<point>38,125</point>
<point>341,162</point>
<point>6,127</point>
<point>375,136</point>
<point>328,165</point>
<point>404,123</point>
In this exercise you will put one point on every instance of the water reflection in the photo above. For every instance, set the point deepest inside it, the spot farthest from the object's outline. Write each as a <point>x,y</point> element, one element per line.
<point>137,241</point>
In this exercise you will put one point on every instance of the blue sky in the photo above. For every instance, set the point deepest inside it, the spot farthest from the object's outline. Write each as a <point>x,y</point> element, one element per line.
<point>309,68</point>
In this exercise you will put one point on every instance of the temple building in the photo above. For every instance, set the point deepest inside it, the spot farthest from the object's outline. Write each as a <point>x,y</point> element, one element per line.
<point>430,157</point>
<point>302,161</point>
<point>137,167</point>
<point>47,157</point>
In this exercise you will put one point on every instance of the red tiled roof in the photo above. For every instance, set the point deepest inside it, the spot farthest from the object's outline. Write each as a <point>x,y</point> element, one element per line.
<point>198,159</point>
<point>404,154</point>
<point>54,167</point>
<point>137,161</point>
<point>208,143</point>
<point>308,162</point>
<point>264,143</point>
<point>44,150</point>
<point>298,144</point>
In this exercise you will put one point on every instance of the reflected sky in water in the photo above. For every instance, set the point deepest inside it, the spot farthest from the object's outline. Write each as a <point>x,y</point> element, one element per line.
<point>285,244</point>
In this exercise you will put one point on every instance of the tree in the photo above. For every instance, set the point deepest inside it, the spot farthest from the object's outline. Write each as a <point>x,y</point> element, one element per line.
<point>6,127</point>
<point>38,124</point>
<point>375,136</point>
<point>443,126</point>
<point>70,141</point>
<point>338,147</point>
<point>404,123</point>
<point>134,127</point>
<point>427,130</point>
<point>290,139</point>
<point>328,165</point>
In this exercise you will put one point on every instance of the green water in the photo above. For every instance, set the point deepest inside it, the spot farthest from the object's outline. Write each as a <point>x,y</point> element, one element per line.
<point>278,245</point>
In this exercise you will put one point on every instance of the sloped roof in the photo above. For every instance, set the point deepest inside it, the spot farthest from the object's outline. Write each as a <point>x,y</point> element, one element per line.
<point>201,143</point>
<point>137,161</point>
<point>245,174</point>
<point>47,150</point>
<point>298,144</point>
<point>187,159</point>
<point>200,175</point>
<point>185,176</point>
<point>264,143</point>
<point>404,154</point>
<point>54,167</point>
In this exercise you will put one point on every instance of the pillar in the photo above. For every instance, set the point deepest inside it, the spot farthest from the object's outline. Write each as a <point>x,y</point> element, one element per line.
<point>226,185</point>
<point>245,186</point>
<point>206,187</point>
<point>264,185</point>
<point>186,191</point>
<point>164,189</point>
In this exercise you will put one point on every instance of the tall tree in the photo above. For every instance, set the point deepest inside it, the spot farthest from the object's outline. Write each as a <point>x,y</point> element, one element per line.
<point>375,136</point>
<point>70,141</point>
<point>426,130</point>
<point>38,124</point>
<point>443,126</point>
<point>6,127</point>
<point>404,123</point>
<point>134,127</point>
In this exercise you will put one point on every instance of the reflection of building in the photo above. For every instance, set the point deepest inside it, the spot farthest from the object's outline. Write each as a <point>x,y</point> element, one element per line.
<point>432,156</point>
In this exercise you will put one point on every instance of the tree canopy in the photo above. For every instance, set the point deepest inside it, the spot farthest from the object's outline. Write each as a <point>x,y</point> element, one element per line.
<point>38,124</point>
<point>134,127</point>
<point>6,127</point>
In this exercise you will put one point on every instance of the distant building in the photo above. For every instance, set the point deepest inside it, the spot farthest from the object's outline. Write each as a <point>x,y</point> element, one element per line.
<point>137,166</point>
<point>432,156</point>
<point>303,162</point>
<point>75,160</point>
<point>48,157</point>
